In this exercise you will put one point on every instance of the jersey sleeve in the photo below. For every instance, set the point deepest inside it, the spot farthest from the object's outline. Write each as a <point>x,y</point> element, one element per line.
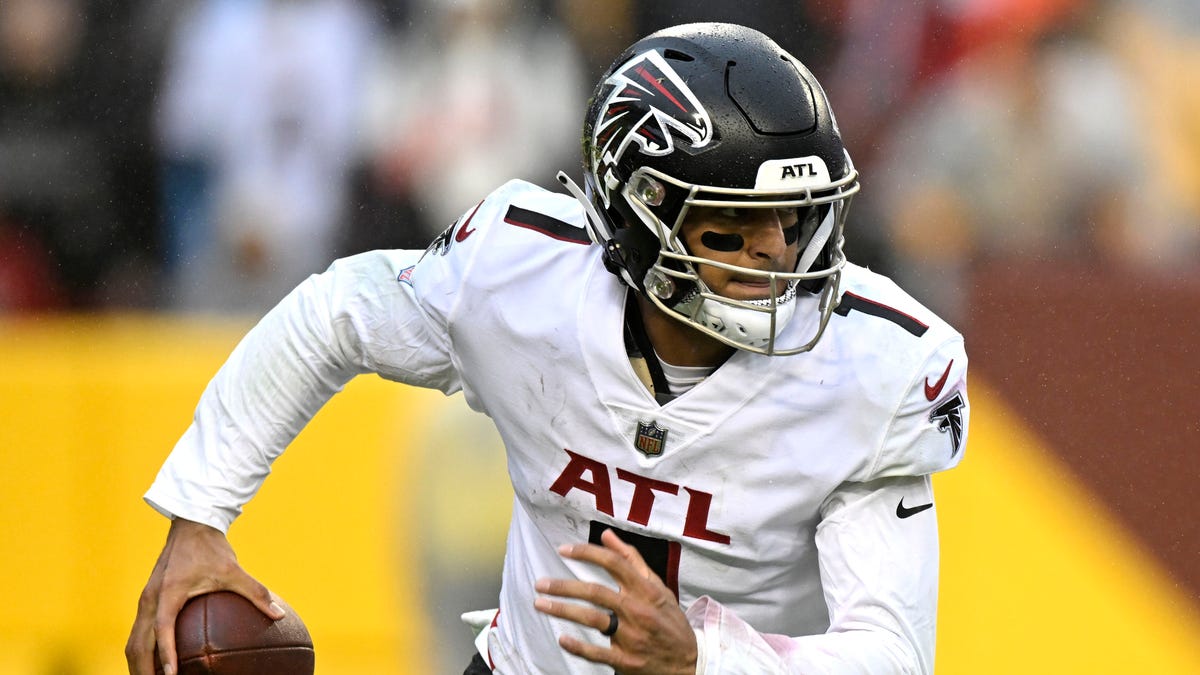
<point>383,312</point>
<point>882,608</point>
<point>357,317</point>
<point>928,431</point>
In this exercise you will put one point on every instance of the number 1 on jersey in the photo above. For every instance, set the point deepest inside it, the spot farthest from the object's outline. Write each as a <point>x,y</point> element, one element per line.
<point>661,555</point>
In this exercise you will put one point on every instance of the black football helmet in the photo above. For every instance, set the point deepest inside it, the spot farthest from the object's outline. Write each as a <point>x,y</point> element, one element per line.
<point>716,115</point>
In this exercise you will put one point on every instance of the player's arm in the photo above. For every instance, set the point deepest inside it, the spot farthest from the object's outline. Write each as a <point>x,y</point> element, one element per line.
<point>880,574</point>
<point>354,318</point>
<point>877,543</point>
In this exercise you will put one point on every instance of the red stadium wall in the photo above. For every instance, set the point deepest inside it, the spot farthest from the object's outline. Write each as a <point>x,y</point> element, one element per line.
<point>1105,366</point>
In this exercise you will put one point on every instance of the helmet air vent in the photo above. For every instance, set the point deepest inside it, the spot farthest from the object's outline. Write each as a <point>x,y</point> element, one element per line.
<point>772,96</point>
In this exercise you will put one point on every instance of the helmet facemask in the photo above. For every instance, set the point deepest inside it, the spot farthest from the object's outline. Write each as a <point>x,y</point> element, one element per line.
<point>674,283</point>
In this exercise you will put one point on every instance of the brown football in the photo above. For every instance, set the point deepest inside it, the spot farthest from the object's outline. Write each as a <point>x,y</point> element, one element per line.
<point>222,633</point>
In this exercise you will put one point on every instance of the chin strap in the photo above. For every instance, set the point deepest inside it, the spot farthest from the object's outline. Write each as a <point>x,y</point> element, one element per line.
<point>817,243</point>
<point>637,343</point>
<point>597,229</point>
<point>600,233</point>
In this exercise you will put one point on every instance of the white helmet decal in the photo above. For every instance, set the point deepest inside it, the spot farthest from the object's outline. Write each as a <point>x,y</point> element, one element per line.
<point>646,100</point>
<point>792,174</point>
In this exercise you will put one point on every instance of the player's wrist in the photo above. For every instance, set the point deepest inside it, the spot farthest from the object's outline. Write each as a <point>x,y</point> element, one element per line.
<point>184,527</point>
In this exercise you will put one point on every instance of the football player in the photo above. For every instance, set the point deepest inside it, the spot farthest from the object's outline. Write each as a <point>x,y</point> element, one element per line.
<point>719,432</point>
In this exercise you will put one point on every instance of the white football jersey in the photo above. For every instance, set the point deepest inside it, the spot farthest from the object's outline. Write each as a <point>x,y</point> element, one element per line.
<point>785,500</point>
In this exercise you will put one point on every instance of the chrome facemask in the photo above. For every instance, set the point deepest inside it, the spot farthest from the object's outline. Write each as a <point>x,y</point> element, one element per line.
<point>752,325</point>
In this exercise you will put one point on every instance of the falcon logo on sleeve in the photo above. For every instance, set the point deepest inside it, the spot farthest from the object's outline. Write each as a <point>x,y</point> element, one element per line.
<point>646,102</point>
<point>947,416</point>
<point>441,245</point>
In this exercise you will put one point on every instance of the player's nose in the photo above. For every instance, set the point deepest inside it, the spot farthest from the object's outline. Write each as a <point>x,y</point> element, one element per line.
<point>766,240</point>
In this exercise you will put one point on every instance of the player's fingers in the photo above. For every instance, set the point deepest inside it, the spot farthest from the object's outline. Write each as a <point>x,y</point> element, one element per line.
<point>610,560</point>
<point>612,541</point>
<point>623,569</point>
<point>139,650</point>
<point>580,614</point>
<point>589,651</point>
<point>596,594</point>
<point>164,638</point>
<point>175,590</point>
<point>250,588</point>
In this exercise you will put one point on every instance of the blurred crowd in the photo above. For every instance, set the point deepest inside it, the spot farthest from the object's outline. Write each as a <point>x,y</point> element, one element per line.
<point>207,155</point>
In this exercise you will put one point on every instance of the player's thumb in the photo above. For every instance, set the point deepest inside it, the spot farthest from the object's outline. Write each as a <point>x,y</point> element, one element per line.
<point>262,598</point>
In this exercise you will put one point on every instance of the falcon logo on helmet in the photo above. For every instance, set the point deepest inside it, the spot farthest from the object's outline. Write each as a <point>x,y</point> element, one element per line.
<point>646,100</point>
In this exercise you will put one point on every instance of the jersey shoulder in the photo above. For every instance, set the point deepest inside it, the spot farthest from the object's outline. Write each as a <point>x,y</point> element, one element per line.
<point>508,227</point>
<point>536,210</point>
<point>913,368</point>
<point>526,235</point>
<point>519,239</point>
<point>868,297</point>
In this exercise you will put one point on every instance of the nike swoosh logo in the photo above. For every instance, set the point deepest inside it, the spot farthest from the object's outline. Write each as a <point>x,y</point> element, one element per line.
<point>463,232</point>
<point>932,391</point>
<point>903,511</point>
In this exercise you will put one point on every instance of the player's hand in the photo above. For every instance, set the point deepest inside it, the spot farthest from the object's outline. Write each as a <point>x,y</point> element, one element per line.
<point>652,634</point>
<point>196,559</point>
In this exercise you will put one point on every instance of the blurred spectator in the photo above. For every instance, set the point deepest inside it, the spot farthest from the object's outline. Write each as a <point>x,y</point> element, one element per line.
<point>470,94</point>
<point>1034,146</point>
<point>601,30</point>
<point>984,128</point>
<point>891,54</point>
<point>27,279</point>
<point>69,141</point>
<point>258,128</point>
<point>887,48</point>
<point>1158,45</point>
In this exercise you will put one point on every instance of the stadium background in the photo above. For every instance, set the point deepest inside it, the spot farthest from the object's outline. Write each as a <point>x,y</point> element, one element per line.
<point>1071,542</point>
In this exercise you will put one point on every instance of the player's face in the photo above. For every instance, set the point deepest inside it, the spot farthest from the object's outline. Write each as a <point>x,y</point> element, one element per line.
<point>760,239</point>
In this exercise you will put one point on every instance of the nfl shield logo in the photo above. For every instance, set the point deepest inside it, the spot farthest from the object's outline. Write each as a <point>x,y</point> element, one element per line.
<point>650,439</point>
